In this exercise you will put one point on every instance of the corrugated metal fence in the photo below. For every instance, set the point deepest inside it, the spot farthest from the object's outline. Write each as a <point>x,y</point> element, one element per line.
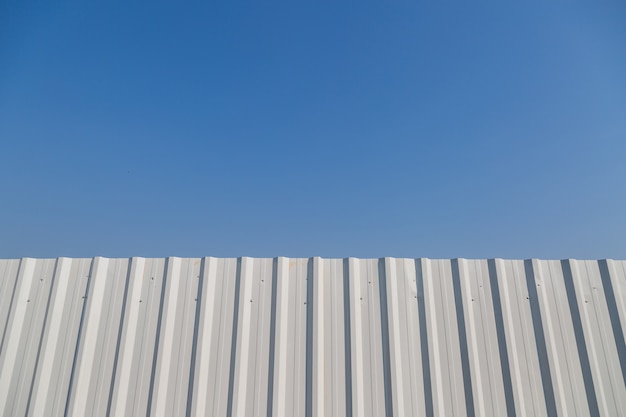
<point>312,337</point>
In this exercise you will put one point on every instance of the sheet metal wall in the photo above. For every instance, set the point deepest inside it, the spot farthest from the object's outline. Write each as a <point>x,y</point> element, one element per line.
<point>312,337</point>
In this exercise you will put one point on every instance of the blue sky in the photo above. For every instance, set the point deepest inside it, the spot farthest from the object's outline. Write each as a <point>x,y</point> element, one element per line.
<point>320,129</point>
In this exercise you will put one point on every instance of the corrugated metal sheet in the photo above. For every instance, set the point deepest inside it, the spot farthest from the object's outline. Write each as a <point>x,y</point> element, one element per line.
<point>312,337</point>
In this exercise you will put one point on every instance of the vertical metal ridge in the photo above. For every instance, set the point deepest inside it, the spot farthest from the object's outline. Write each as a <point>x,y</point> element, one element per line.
<point>14,371</point>
<point>78,338</point>
<point>423,326</point>
<point>384,322</point>
<point>319,337</point>
<point>283,376</point>
<point>540,340</point>
<point>157,338</point>
<point>196,326</point>
<point>500,331</point>
<point>119,336</point>
<point>309,340</point>
<point>10,309</point>
<point>480,341</point>
<point>347,335</point>
<point>395,339</point>
<point>209,326</point>
<point>176,336</point>
<point>579,334</point>
<point>272,349</point>
<point>441,317</point>
<point>358,370</point>
<point>51,383</point>
<point>233,354</point>
<point>460,318</point>
<point>245,351</point>
<point>43,330</point>
<point>618,334</point>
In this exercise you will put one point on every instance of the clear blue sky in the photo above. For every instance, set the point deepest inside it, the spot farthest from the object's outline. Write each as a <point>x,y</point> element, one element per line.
<point>313,129</point>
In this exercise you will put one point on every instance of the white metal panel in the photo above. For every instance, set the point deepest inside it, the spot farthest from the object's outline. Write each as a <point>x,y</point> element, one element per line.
<point>59,341</point>
<point>19,359</point>
<point>566,372</point>
<point>600,338</point>
<point>213,353</point>
<point>8,280</point>
<point>136,357</point>
<point>312,337</point>
<point>405,339</point>
<point>482,339</point>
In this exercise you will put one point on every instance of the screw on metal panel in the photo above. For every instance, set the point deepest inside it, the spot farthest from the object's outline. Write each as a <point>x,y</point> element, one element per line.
<point>28,301</point>
<point>140,301</point>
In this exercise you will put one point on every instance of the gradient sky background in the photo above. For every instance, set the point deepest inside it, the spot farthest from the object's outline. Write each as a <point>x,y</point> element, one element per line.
<point>327,129</point>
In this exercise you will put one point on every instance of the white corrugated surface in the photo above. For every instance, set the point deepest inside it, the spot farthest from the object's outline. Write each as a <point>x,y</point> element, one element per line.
<point>312,337</point>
